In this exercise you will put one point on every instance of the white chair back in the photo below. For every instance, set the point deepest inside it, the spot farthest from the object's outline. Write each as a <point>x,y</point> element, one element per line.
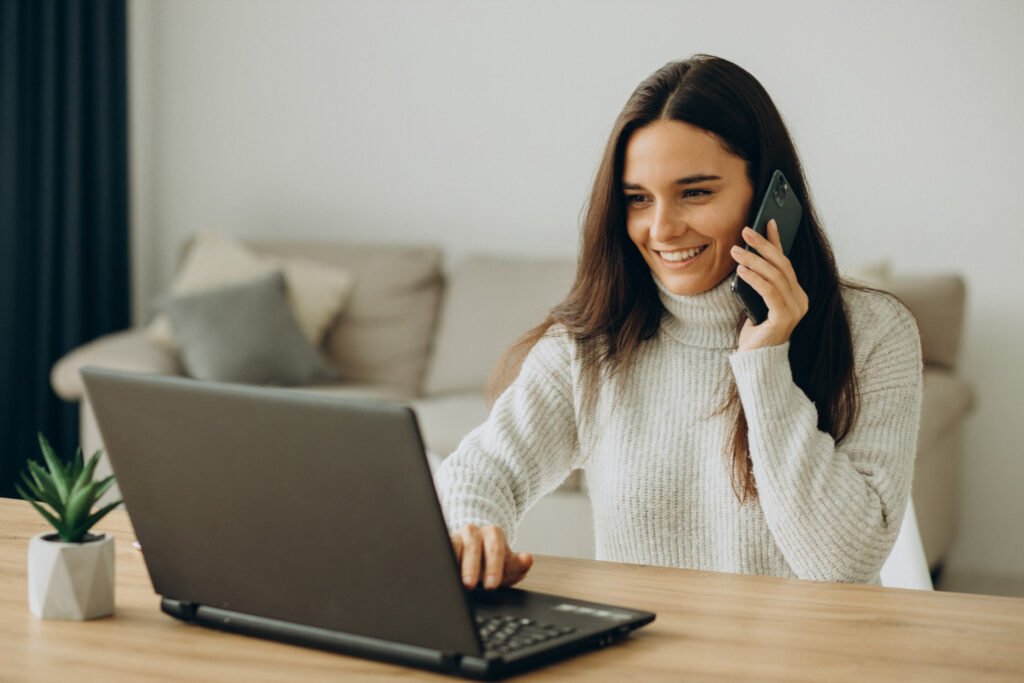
<point>907,566</point>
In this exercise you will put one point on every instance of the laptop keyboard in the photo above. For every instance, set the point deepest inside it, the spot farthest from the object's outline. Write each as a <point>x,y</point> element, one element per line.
<point>503,634</point>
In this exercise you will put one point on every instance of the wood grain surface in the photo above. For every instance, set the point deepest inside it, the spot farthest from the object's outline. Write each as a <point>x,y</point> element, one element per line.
<point>710,627</point>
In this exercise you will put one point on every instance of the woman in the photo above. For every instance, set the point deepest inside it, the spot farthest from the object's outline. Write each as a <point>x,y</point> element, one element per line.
<point>784,448</point>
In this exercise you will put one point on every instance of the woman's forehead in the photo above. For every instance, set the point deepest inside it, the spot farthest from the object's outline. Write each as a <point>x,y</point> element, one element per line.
<point>667,151</point>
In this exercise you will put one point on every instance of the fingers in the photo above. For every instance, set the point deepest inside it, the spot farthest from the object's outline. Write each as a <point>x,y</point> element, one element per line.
<point>768,290</point>
<point>495,550</point>
<point>765,270</point>
<point>770,250</point>
<point>484,557</point>
<point>472,547</point>
<point>516,567</point>
<point>771,275</point>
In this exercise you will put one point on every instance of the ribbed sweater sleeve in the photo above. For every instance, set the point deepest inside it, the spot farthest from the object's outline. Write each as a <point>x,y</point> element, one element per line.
<point>525,449</point>
<point>835,510</point>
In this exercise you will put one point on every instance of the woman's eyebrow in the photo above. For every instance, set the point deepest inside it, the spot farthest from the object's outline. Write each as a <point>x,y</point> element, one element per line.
<point>688,180</point>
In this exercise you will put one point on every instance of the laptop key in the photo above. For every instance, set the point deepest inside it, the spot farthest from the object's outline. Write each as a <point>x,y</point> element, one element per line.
<point>502,634</point>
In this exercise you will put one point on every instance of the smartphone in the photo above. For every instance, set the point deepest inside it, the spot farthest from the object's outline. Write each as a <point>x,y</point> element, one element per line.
<point>779,202</point>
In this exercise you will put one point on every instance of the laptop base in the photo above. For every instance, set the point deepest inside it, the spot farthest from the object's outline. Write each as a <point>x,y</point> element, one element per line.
<point>476,668</point>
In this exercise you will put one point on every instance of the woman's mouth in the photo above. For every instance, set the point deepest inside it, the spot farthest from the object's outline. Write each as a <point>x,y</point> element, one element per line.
<point>679,258</point>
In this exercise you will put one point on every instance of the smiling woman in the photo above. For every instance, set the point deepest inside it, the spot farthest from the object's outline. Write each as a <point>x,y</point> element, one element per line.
<point>782,448</point>
<point>687,223</point>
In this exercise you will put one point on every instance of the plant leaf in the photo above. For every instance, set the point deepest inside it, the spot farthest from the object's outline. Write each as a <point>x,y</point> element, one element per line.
<point>34,489</point>
<point>102,485</point>
<point>98,515</point>
<point>56,469</point>
<point>76,465</point>
<point>42,495</point>
<point>45,482</point>
<point>85,476</point>
<point>78,506</point>
<point>54,522</point>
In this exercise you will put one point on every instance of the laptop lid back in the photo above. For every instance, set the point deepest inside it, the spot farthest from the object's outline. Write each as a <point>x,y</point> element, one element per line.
<point>298,507</point>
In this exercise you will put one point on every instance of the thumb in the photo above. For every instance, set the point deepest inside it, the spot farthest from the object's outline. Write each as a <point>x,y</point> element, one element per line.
<point>516,567</point>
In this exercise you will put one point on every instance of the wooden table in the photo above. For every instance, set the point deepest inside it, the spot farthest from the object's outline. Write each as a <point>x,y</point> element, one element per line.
<point>710,626</point>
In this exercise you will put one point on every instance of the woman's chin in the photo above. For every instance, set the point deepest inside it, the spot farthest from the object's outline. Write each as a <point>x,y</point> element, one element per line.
<point>689,284</point>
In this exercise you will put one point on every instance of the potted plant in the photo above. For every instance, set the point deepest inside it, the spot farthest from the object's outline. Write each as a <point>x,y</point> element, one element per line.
<point>70,572</point>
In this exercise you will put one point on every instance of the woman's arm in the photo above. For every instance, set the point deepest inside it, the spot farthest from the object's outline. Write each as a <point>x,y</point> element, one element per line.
<point>526,448</point>
<point>835,511</point>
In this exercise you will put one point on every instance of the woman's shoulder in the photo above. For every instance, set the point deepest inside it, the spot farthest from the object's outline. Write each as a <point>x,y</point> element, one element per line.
<point>554,349</point>
<point>555,339</point>
<point>878,318</point>
<point>874,307</point>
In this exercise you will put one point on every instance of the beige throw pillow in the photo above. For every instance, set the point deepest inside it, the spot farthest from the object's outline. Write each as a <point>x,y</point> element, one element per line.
<point>317,293</point>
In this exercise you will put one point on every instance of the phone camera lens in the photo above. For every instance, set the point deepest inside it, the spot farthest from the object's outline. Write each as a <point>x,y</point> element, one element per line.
<point>780,193</point>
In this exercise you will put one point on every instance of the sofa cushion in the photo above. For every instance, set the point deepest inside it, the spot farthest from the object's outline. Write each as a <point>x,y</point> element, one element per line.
<point>384,334</point>
<point>937,303</point>
<point>316,292</point>
<point>490,302</point>
<point>945,402</point>
<point>444,420</point>
<point>244,333</point>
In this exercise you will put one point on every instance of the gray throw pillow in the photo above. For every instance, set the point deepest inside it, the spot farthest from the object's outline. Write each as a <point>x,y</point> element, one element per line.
<point>245,333</point>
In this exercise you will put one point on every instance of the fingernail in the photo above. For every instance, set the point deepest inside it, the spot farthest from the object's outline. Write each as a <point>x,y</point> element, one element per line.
<point>492,581</point>
<point>468,580</point>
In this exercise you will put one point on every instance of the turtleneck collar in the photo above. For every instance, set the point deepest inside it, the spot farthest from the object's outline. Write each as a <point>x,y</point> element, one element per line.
<point>707,320</point>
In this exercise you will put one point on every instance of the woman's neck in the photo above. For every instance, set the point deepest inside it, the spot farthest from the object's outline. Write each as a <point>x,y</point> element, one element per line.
<point>709,319</point>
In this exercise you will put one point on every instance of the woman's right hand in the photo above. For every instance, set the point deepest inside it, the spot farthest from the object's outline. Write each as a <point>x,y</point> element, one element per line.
<point>485,557</point>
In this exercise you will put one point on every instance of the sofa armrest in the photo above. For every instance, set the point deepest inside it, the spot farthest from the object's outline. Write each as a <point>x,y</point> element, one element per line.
<point>129,350</point>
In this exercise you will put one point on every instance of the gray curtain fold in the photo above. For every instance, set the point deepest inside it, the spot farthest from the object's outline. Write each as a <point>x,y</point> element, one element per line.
<point>64,237</point>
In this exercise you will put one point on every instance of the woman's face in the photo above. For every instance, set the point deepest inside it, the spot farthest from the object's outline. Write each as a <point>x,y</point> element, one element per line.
<point>687,200</point>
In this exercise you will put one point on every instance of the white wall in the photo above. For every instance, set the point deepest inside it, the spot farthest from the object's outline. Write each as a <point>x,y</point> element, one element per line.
<point>478,125</point>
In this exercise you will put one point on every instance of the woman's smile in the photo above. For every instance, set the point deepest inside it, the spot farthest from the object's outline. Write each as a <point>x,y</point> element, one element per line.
<point>681,258</point>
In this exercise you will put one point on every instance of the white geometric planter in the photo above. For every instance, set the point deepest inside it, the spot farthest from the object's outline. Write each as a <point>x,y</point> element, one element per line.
<point>70,580</point>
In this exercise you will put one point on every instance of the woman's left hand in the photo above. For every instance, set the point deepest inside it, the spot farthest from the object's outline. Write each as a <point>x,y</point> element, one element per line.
<point>772,276</point>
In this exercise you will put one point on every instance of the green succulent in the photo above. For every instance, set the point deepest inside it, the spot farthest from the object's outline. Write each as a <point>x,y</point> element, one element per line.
<point>69,490</point>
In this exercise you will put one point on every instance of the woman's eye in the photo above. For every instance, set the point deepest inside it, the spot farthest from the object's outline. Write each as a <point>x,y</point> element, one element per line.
<point>636,199</point>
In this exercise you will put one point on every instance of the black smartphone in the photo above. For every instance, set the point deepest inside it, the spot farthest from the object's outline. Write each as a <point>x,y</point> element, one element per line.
<point>779,202</point>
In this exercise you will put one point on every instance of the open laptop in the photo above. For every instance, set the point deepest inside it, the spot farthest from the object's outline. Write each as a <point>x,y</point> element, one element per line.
<point>314,520</point>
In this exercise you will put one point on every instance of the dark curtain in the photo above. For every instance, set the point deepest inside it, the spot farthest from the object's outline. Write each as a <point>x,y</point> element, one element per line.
<point>64,252</point>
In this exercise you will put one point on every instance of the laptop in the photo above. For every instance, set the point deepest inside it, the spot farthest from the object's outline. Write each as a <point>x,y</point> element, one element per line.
<point>314,520</point>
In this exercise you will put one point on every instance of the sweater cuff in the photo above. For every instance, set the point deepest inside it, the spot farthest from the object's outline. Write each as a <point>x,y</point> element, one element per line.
<point>763,376</point>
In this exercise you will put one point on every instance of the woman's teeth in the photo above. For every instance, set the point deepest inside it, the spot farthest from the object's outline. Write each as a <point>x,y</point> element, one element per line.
<point>684,255</point>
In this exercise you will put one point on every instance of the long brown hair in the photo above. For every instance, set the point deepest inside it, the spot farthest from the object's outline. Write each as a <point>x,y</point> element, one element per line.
<point>613,306</point>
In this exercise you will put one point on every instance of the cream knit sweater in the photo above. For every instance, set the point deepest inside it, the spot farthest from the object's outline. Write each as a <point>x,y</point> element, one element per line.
<point>653,452</point>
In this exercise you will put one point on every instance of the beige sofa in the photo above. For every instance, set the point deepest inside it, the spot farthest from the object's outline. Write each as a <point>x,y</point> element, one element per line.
<point>414,333</point>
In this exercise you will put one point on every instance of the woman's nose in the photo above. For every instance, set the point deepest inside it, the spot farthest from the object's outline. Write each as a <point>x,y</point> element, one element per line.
<point>668,225</point>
